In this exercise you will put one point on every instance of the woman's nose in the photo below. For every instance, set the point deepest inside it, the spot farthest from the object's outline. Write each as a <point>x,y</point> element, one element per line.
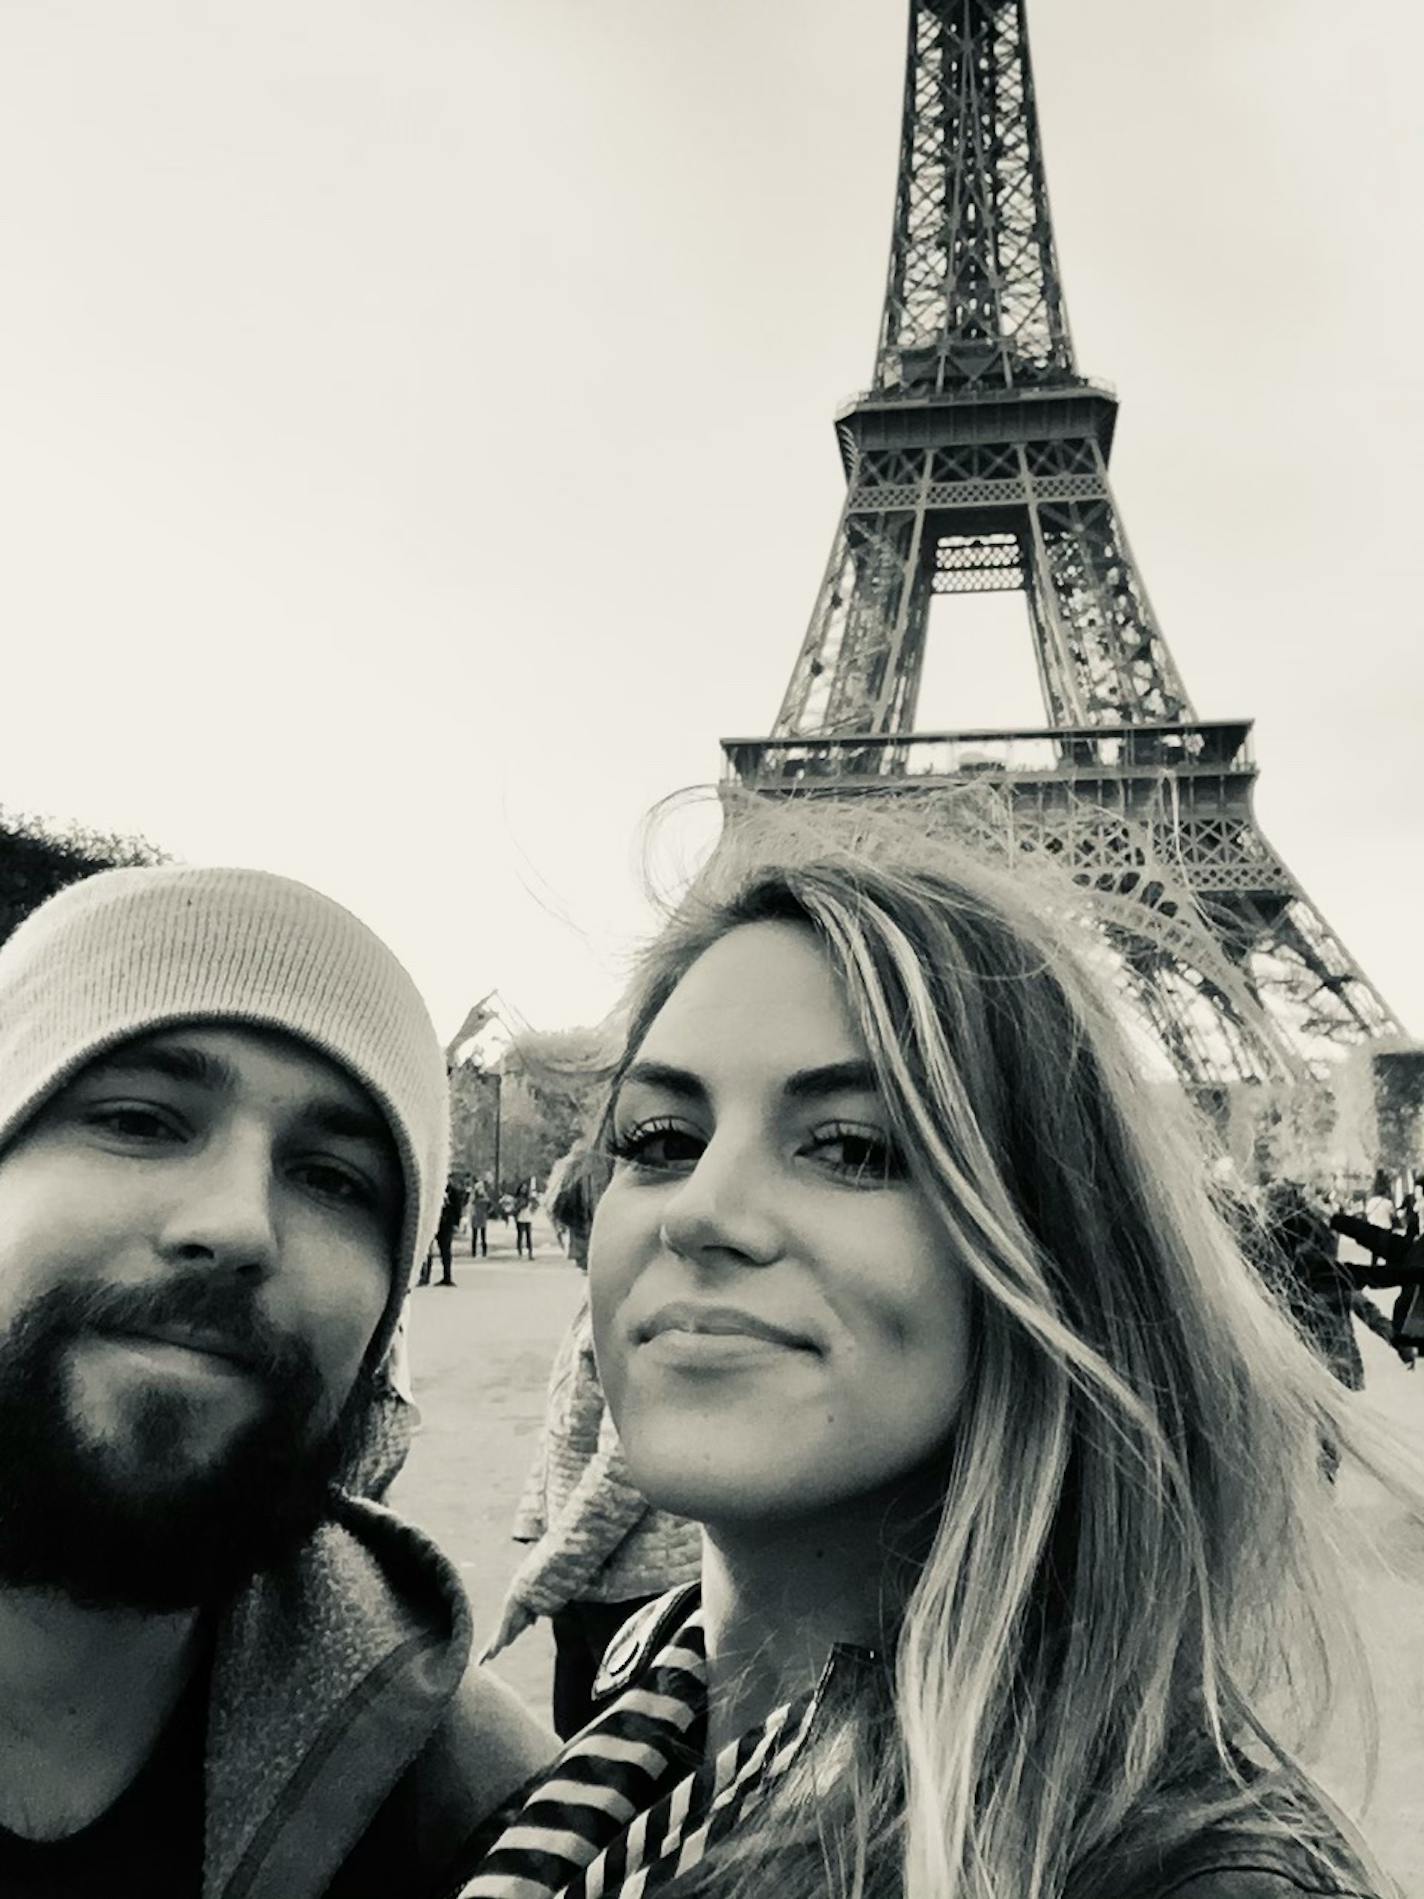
<point>724,1211</point>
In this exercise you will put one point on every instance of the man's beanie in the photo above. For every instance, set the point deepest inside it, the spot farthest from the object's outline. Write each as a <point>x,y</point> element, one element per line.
<point>127,952</point>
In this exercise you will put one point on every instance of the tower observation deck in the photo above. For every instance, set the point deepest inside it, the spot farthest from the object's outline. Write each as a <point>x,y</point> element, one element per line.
<point>978,462</point>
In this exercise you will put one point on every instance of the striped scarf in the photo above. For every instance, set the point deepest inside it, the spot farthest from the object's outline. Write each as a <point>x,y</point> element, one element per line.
<point>626,1809</point>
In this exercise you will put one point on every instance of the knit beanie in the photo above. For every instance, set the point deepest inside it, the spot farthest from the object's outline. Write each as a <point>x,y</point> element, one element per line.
<point>126,952</point>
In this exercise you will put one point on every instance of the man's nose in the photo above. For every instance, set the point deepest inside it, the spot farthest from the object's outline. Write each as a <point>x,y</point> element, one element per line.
<point>223,1207</point>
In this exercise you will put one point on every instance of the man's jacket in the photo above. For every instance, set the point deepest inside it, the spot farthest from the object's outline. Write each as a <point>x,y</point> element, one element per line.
<point>351,1747</point>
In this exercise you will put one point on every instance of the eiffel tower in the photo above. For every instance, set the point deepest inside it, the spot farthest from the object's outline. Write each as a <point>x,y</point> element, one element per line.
<point>978,461</point>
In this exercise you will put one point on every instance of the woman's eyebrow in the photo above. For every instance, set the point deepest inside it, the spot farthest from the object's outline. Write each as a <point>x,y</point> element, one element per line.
<point>806,1084</point>
<point>672,1081</point>
<point>835,1078</point>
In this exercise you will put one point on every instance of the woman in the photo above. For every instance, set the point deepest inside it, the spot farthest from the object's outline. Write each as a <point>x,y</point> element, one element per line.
<point>1379,1211</point>
<point>525,1201</point>
<point>1006,1465</point>
<point>479,1220</point>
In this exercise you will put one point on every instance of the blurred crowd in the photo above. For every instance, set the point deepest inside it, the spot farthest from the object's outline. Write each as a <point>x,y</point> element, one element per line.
<point>1325,1251</point>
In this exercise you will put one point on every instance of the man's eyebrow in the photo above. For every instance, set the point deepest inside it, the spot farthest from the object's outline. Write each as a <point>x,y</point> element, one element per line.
<point>174,1060</point>
<point>835,1078</point>
<point>177,1061</point>
<point>345,1123</point>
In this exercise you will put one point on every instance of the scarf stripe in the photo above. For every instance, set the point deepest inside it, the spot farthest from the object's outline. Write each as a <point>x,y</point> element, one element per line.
<point>625,1808</point>
<point>583,1793</point>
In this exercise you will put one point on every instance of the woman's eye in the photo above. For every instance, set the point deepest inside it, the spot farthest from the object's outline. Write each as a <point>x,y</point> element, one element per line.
<point>658,1147</point>
<point>859,1156</point>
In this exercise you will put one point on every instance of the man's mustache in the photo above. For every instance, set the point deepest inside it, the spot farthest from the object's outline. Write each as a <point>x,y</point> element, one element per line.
<point>205,1302</point>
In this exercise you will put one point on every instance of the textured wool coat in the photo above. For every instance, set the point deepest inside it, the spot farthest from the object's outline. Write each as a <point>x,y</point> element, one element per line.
<point>352,1749</point>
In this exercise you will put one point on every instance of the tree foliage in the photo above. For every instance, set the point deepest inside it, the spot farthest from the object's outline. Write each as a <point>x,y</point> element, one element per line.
<point>39,857</point>
<point>546,1086</point>
<point>1399,1109</point>
<point>472,1115</point>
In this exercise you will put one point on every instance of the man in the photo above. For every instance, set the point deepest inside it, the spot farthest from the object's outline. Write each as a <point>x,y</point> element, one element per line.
<point>223,1139</point>
<point>1315,1286</point>
<point>1395,1260</point>
<point>451,1208</point>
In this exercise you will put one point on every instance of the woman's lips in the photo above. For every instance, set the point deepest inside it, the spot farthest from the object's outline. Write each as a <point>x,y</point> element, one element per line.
<point>717,1351</point>
<point>687,1330</point>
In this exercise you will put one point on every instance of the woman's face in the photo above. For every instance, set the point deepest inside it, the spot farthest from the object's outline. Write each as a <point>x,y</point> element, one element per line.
<point>779,1325</point>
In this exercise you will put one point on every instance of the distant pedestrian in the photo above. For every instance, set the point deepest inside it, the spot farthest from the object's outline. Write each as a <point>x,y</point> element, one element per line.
<point>1379,1211</point>
<point>1411,1210</point>
<point>1316,1287</point>
<point>1401,1263</point>
<point>479,1220</point>
<point>525,1201</point>
<point>450,1210</point>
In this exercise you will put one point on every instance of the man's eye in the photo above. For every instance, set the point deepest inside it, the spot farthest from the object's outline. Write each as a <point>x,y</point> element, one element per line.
<point>859,1156</point>
<point>335,1183</point>
<point>131,1121</point>
<point>658,1147</point>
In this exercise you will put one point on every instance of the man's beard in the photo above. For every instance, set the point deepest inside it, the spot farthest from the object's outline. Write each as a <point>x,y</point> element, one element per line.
<point>117,1525</point>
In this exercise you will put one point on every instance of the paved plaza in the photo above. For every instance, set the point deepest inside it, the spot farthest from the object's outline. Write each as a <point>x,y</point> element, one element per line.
<point>481,1355</point>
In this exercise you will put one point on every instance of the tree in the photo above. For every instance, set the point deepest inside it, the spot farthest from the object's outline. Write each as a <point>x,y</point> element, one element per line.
<point>544,1086</point>
<point>39,857</point>
<point>474,1093</point>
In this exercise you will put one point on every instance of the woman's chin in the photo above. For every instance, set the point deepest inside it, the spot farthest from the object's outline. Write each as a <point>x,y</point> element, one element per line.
<point>684,1486</point>
<point>736,1492</point>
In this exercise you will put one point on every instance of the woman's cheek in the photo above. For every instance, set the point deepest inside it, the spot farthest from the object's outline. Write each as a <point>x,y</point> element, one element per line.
<point>611,1271</point>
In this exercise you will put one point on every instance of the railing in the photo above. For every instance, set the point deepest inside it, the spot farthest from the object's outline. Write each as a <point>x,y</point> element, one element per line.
<point>1089,751</point>
<point>978,391</point>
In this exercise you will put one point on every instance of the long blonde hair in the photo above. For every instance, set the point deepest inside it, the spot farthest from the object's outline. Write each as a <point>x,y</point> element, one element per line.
<point>1131,1558</point>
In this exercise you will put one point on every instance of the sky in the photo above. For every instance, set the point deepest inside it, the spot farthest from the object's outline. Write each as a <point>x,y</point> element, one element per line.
<point>417,447</point>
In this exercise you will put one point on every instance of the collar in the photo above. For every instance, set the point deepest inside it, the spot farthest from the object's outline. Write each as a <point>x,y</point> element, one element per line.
<point>330,1674</point>
<point>641,1639</point>
<point>638,1642</point>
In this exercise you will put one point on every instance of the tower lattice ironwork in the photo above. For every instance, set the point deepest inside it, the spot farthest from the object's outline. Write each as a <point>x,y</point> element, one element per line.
<point>978,461</point>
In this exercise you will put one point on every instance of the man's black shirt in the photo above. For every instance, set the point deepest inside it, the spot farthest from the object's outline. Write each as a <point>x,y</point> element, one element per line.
<point>150,1840</point>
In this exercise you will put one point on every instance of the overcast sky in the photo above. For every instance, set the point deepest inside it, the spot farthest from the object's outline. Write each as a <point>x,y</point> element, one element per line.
<point>417,449</point>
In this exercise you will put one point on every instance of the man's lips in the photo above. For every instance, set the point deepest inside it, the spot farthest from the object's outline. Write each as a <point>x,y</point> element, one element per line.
<point>205,1344</point>
<point>710,1321</point>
